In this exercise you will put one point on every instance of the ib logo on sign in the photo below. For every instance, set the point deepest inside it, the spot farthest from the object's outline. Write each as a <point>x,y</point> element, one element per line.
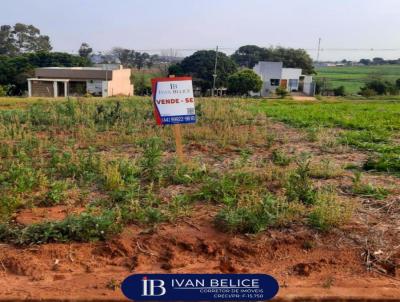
<point>153,287</point>
<point>200,287</point>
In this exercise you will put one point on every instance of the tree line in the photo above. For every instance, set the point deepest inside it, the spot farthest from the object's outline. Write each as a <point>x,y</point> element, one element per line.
<point>200,66</point>
<point>23,48</point>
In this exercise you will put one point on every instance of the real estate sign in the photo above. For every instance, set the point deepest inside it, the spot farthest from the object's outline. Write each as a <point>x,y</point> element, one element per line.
<point>173,100</point>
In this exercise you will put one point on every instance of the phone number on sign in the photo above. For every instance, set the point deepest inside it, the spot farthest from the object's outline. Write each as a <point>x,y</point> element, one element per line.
<point>179,119</point>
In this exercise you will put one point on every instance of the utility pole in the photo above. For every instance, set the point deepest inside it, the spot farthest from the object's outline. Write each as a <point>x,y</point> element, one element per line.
<point>215,71</point>
<point>319,48</point>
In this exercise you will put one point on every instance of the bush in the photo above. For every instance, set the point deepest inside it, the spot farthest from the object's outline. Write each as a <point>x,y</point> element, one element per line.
<point>339,91</point>
<point>244,81</point>
<point>3,90</point>
<point>282,92</point>
<point>380,87</point>
<point>367,92</point>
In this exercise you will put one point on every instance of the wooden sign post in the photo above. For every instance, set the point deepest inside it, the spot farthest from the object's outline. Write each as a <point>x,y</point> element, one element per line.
<point>174,105</point>
<point>178,142</point>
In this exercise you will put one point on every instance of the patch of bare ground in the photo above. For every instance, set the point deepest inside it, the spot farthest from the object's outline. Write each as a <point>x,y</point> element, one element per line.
<point>359,261</point>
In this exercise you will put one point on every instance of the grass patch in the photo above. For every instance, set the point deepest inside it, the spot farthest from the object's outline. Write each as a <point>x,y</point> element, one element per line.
<point>328,212</point>
<point>367,189</point>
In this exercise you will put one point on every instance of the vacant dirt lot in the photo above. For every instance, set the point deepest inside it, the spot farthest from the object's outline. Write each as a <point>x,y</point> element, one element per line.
<point>338,240</point>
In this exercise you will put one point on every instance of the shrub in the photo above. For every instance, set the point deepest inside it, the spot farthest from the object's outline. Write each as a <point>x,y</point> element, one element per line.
<point>339,91</point>
<point>368,92</point>
<point>380,87</point>
<point>281,92</point>
<point>3,90</point>
<point>244,81</point>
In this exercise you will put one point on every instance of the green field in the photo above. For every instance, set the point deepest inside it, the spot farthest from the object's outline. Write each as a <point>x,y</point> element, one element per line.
<point>368,125</point>
<point>352,78</point>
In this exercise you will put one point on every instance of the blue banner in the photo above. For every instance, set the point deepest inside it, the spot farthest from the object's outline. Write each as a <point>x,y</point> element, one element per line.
<point>178,119</point>
<point>200,287</point>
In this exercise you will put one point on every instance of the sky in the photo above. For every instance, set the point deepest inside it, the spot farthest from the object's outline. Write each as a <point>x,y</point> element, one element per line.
<point>187,25</point>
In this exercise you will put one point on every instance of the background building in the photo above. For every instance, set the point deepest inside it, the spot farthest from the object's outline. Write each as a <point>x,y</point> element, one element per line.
<point>274,75</point>
<point>77,81</point>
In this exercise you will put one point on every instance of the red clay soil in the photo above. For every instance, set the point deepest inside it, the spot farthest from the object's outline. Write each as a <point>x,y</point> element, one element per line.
<point>36,215</point>
<point>306,263</point>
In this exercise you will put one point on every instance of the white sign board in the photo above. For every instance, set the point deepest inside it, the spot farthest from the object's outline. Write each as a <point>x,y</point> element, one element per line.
<point>173,100</point>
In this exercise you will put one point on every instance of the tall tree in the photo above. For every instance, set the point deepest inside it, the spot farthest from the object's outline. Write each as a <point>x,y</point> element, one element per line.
<point>85,50</point>
<point>141,59</point>
<point>249,55</point>
<point>7,41</point>
<point>200,66</point>
<point>22,38</point>
<point>122,54</point>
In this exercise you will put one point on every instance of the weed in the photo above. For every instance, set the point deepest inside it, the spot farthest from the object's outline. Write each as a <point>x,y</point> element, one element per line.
<point>313,134</point>
<point>325,169</point>
<point>175,172</point>
<point>113,284</point>
<point>82,228</point>
<point>8,205</point>
<point>227,188</point>
<point>55,194</point>
<point>270,140</point>
<point>366,189</point>
<point>386,162</point>
<point>112,177</point>
<point>308,245</point>
<point>299,186</point>
<point>328,212</point>
<point>129,171</point>
<point>251,218</point>
<point>328,282</point>
<point>280,158</point>
<point>150,161</point>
